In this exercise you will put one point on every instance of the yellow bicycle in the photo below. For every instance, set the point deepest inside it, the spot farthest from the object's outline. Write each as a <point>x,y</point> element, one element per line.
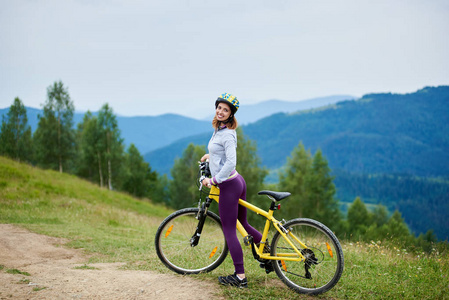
<point>304,253</point>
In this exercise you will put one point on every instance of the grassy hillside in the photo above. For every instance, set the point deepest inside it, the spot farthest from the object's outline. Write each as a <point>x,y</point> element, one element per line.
<point>114,227</point>
<point>62,205</point>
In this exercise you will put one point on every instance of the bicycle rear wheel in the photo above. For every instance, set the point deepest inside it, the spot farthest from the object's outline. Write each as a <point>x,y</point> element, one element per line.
<point>174,248</point>
<point>324,257</point>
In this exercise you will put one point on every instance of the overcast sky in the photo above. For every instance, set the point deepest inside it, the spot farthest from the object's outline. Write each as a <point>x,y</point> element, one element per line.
<point>176,56</point>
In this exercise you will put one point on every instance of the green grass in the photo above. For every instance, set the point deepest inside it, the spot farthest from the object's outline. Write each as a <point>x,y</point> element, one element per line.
<point>24,281</point>
<point>85,267</point>
<point>15,271</point>
<point>114,227</point>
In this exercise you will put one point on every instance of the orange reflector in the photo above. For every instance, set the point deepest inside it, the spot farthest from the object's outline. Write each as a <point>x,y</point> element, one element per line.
<point>213,252</point>
<point>168,231</point>
<point>284,266</point>
<point>329,249</point>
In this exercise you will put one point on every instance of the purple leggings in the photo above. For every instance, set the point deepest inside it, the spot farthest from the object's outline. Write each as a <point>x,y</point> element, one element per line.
<point>230,211</point>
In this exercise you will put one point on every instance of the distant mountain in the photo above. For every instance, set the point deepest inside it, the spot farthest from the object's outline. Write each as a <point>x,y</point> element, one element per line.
<point>162,159</point>
<point>385,148</point>
<point>254,112</point>
<point>379,133</point>
<point>147,133</point>
<point>32,115</point>
<point>152,132</point>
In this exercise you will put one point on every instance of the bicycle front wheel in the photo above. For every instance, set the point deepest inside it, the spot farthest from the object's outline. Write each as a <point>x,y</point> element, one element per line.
<point>173,242</point>
<point>323,254</point>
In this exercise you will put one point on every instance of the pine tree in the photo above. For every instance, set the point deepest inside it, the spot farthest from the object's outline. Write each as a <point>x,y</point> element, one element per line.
<point>380,215</point>
<point>378,228</point>
<point>358,219</point>
<point>293,178</point>
<point>55,137</point>
<point>183,190</point>
<point>138,178</point>
<point>15,134</point>
<point>397,228</point>
<point>45,141</point>
<point>89,156</point>
<point>322,193</point>
<point>427,241</point>
<point>110,146</point>
<point>309,181</point>
<point>159,190</point>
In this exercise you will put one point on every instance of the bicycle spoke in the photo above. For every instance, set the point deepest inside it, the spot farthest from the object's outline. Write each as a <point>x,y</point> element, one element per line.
<point>174,248</point>
<point>323,256</point>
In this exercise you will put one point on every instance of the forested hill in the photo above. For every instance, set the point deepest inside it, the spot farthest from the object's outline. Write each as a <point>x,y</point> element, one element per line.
<point>384,148</point>
<point>146,133</point>
<point>379,133</point>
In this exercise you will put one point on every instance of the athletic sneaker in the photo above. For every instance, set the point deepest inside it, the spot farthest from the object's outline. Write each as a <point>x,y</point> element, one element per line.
<point>233,280</point>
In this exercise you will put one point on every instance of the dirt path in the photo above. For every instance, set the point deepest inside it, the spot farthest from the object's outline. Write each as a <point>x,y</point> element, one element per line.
<point>53,274</point>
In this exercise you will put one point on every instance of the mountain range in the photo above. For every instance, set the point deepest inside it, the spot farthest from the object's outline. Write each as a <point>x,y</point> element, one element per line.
<point>391,149</point>
<point>378,133</point>
<point>250,113</point>
<point>149,133</point>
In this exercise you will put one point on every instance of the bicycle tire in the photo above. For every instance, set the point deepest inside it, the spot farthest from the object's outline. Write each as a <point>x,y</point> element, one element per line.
<point>324,263</point>
<point>172,242</point>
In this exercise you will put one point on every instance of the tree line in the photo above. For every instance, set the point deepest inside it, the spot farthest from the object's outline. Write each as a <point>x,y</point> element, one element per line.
<point>422,201</point>
<point>95,151</point>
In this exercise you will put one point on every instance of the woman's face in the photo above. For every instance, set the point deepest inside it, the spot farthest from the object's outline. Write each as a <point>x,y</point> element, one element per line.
<point>223,112</point>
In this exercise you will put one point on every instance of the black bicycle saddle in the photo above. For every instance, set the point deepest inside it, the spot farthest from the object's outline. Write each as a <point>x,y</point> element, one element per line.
<point>278,196</point>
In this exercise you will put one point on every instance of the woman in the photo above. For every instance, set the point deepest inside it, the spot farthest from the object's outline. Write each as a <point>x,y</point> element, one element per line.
<point>222,161</point>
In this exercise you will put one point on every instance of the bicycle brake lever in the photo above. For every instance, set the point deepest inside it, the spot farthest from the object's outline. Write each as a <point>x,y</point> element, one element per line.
<point>201,182</point>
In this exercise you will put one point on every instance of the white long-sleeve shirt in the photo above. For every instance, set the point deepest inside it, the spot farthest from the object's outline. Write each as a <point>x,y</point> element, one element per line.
<point>222,154</point>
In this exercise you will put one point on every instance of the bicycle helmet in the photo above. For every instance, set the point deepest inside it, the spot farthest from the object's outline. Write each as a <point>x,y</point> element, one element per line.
<point>229,99</point>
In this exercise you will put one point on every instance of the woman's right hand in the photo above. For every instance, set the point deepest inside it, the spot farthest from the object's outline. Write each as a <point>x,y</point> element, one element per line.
<point>206,182</point>
<point>205,156</point>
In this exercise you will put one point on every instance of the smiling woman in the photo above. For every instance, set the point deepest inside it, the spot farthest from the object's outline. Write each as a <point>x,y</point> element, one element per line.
<point>225,108</point>
<point>223,112</point>
<point>223,160</point>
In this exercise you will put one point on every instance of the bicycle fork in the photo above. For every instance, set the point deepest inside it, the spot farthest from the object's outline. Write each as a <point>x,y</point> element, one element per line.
<point>201,217</point>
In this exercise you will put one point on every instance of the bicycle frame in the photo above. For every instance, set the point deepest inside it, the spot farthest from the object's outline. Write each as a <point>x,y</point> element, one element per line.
<point>214,195</point>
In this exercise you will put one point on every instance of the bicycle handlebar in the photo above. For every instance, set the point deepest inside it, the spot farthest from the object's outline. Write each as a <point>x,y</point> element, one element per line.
<point>204,173</point>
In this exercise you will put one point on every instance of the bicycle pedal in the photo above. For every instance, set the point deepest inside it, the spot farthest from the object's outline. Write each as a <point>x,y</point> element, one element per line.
<point>267,266</point>
<point>248,240</point>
